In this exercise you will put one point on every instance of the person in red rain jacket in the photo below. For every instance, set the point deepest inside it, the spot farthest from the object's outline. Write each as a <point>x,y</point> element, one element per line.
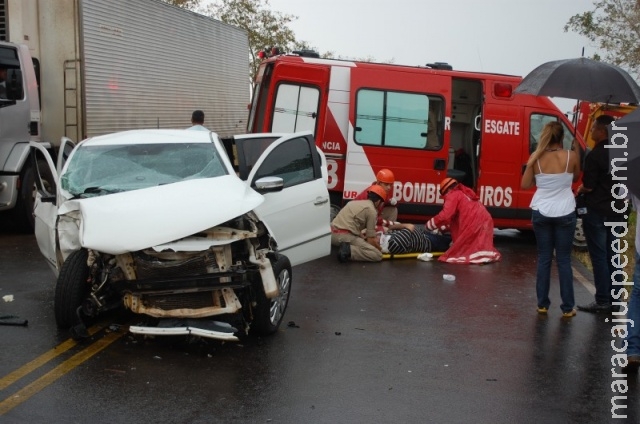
<point>470,224</point>
<point>387,211</point>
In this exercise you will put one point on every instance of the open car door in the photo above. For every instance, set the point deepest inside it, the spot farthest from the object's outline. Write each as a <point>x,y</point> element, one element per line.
<point>47,198</point>
<point>296,209</point>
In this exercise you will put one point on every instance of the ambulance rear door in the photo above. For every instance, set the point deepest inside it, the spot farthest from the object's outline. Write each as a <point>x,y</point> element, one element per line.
<point>398,120</point>
<point>502,147</point>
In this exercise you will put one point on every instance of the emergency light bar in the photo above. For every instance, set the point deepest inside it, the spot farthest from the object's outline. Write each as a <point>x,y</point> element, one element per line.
<point>440,65</point>
<point>274,51</point>
<point>306,53</point>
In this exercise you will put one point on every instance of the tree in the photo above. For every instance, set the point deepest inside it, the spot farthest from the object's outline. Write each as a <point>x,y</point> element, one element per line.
<point>265,28</point>
<point>614,25</point>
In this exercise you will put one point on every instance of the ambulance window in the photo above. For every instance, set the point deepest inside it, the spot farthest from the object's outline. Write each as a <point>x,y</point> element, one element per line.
<point>296,109</point>
<point>369,117</point>
<point>567,142</point>
<point>396,119</point>
<point>536,125</point>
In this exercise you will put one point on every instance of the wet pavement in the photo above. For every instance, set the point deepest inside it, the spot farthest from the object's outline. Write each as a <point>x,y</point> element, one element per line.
<point>360,343</point>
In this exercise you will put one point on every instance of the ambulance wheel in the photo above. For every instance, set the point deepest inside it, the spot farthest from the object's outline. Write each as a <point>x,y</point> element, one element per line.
<point>333,211</point>
<point>334,208</point>
<point>71,288</point>
<point>268,313</point>
<point>579,240</point>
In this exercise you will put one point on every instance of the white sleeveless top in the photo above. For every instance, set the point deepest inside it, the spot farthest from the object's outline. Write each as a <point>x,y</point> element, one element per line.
<point>553,196</point>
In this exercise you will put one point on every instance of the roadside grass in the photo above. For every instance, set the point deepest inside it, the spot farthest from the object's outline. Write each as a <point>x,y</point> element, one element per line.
<point>630,238</point>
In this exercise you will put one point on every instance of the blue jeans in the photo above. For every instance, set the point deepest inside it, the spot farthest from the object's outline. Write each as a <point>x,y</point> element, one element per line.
<point>599,240</point>
<point>633,338</point>
<point>554,234</point>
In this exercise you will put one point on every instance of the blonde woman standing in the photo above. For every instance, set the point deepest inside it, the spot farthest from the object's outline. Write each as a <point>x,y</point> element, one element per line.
<point>552,169</point>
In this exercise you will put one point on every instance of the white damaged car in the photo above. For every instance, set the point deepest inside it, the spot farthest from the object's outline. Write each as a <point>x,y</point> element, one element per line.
<point>195,234</point>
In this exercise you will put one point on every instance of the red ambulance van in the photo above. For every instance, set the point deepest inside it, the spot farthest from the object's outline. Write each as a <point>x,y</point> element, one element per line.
<point>422,122</point>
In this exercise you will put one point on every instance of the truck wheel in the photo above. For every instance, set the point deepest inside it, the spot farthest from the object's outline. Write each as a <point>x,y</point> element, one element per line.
<point>579,240</point>
<point>23,211</point>
<point>71,288</point>
<point>269,312</point>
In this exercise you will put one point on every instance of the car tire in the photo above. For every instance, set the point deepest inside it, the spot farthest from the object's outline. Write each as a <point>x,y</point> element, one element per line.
<point>579,239</point>
<point>268,313</point>
<point>71,288</point>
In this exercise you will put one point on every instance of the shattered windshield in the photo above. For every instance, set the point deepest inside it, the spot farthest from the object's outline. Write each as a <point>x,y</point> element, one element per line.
<point>99,170</point>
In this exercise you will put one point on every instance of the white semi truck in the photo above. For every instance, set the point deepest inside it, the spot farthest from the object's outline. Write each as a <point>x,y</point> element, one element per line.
<point>81,68</point>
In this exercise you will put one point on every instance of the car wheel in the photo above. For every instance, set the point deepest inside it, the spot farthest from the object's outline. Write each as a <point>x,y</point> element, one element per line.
<point>579,240</point>
<point>269,312</point>
<point>71,288</point>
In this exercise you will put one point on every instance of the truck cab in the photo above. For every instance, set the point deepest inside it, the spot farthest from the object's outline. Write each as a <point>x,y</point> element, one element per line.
<point>19,124</point>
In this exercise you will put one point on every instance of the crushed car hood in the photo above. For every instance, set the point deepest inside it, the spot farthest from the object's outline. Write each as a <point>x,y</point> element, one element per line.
<point>139,219</point>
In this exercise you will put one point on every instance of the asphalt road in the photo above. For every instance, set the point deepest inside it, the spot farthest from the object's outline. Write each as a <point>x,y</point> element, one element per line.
<point>360,343</point>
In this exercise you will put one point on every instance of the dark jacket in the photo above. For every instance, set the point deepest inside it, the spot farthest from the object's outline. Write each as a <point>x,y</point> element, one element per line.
<point>597,177</point>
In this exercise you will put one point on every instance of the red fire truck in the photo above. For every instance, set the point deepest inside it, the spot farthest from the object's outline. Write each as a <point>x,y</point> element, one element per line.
<point>422,122</point>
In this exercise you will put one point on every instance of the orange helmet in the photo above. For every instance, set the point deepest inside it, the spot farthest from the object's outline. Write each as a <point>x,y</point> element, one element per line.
<point>446,184</point>
<point>385,176</point>
<point>379,190</point>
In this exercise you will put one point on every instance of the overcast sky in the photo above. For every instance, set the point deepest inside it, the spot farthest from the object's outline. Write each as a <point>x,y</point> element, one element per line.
<point>502,36</point>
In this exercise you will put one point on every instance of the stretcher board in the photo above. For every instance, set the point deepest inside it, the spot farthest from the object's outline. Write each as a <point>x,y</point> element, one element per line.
<point>408,255</point>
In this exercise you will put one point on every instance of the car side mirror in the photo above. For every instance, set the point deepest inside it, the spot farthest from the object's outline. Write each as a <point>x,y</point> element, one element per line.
<point>268,184</point>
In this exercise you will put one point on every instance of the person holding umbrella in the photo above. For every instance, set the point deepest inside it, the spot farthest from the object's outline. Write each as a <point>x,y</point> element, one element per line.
<point>600,218</point>
<point>552,170</point>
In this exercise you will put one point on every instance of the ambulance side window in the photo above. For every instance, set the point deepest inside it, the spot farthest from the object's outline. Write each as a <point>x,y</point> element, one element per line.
<point>398,119</point>
<point>537,123</point>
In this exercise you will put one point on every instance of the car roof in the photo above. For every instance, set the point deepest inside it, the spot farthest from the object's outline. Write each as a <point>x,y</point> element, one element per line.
<point>152,136</point>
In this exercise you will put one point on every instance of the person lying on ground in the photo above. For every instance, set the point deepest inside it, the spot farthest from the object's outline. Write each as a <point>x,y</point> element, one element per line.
<point>416,240</point>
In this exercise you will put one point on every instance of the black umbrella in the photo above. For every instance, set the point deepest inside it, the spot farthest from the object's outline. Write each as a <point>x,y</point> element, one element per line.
<point>624,151</point>
<point>581,79</point>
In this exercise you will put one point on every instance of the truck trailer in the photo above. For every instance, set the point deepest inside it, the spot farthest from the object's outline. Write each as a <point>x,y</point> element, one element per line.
<point>82,68</point>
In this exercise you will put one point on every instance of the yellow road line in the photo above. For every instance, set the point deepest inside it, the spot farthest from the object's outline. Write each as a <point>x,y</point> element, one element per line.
<point>36,363</point>
<point>24,394</point>
<point>16,375</point>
